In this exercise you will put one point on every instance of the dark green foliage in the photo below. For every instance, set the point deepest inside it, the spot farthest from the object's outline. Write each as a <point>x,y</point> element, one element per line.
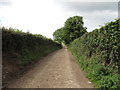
<point>59,35</point>
<point>72,29</point>
<point>98,53</point>
<point>30,47</point>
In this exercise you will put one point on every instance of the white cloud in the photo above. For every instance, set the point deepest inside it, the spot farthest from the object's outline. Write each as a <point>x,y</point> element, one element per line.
<point>38,16</point>
<point>45,16</point>
<point>94,19</point>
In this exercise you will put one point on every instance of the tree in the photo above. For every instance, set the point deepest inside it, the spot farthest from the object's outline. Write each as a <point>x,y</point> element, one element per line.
<point>58,35</point>
<point>73,29</point>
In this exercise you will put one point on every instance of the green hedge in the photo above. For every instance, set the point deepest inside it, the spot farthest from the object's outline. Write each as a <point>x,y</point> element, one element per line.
<point>98,53</point>
<point>30,47</point>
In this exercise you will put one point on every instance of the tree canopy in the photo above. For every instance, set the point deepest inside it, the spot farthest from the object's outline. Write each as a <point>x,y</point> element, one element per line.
<point>73,29</point>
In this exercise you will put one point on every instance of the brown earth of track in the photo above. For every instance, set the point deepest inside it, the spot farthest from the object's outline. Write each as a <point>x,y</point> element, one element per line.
<point>57,70</point>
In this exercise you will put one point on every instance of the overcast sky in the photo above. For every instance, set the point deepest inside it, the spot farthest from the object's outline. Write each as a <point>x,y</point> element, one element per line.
<point>45,16</point>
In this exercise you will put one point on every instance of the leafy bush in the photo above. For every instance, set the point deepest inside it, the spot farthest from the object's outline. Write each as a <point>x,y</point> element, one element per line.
<point>30,47</point>
<point>98,53</point>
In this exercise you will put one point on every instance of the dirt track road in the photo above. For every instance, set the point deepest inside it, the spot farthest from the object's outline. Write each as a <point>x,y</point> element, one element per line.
<point>57,70</point>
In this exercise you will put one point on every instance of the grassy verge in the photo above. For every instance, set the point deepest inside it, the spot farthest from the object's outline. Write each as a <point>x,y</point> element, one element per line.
<point>31,57</point>
<point>101,76</point>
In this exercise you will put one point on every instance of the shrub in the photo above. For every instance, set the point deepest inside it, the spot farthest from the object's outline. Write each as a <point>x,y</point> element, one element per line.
<point>98,54</point>
<point>29,46</point>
